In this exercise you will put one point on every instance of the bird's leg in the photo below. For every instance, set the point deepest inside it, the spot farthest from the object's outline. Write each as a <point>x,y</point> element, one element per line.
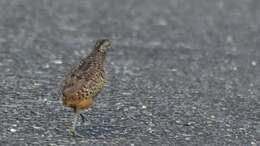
<point>73,126</point>
<point>82,118</point>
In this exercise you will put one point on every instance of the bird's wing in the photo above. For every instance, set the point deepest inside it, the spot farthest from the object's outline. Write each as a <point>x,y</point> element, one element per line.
<point>87,62</point>
<point>78,80</point>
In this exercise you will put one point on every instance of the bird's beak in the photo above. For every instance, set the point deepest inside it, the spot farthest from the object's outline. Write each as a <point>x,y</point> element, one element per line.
<point>110,45</point>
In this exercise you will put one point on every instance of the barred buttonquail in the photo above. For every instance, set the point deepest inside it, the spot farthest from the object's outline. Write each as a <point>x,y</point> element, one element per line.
<point>85,81</point>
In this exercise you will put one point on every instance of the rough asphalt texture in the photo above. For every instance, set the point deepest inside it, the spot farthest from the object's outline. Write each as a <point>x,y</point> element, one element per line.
<point>182,72</point>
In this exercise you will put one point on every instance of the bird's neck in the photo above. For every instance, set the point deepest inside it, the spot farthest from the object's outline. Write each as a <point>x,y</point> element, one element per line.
<point>100,57</point>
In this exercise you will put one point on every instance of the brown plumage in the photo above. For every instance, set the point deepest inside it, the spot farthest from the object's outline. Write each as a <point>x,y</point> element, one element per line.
<point>85,81</point>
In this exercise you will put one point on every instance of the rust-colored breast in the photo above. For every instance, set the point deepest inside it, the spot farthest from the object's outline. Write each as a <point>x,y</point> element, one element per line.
<point>78,103</point>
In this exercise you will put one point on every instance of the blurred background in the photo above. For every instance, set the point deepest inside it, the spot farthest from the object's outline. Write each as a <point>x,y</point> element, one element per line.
<point>181,72</point>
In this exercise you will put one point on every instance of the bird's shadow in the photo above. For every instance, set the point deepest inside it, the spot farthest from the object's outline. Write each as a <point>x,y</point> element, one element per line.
<point>99,131</point>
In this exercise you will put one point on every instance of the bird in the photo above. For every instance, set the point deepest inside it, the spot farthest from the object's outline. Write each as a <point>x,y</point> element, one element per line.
<point>85,81</point>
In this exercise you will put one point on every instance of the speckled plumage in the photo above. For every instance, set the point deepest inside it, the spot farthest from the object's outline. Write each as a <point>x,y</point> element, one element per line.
<point>86,80</point>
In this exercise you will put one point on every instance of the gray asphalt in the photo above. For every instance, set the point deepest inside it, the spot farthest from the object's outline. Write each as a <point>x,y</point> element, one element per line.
<point>181,72</point>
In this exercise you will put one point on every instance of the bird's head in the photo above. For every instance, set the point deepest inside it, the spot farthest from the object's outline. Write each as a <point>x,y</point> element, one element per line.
<point>103,45</point>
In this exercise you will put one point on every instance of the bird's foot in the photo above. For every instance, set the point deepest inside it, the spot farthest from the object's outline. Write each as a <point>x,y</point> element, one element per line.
<point>73,133</point>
